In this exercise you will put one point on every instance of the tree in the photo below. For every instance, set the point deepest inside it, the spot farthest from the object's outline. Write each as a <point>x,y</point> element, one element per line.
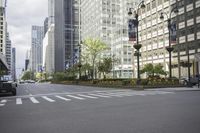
<point>152,70</point>
<point>148,69</point>
<point>27,75</point>
<point>158,70</point>
<point>94,47</point>
<point>105,67</point>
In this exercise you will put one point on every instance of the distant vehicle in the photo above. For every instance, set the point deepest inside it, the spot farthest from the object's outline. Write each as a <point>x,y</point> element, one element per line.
<point>7,86</point>
<point>21,81</point>
<point>30,81</point>
<point>193,80</point>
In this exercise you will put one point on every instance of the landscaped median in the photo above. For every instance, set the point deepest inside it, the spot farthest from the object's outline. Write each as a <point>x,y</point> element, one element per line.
<point>155,82</point>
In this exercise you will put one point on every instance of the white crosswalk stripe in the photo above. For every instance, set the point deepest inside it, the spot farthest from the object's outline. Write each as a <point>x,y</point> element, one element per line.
<point>18,101</point>
<point>82,95</point>
<point>48,99</point>
<point>3,101</point>
<point>63,98</point>
<point>75,97</point>
<point>111,94</point>
<point>98,95</point>
<point>1,104</point>
<point>34,100</point>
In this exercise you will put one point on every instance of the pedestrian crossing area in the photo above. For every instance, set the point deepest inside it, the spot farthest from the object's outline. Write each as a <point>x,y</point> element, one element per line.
<point>52,98</point>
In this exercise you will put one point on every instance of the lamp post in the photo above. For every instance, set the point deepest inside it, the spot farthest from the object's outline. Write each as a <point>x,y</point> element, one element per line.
<point>169,48</point>
<point>79,64</point>
<point>137,46</point>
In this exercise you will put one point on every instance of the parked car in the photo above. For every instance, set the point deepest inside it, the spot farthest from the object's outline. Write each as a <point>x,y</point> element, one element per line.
<point>8,87</point>
<point>193,80</point>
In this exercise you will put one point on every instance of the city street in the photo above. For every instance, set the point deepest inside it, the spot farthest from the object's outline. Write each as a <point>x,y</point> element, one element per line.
<point>47,108</point>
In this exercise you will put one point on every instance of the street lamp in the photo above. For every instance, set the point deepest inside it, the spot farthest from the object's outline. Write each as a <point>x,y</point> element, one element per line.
<point>79,64</point>
<point>137,46</point>
<point>169,48</point>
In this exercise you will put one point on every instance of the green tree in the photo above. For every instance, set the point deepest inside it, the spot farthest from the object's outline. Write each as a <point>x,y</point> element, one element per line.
<point>152,70</point>
<point>148,69</point>
<point>94,47</point>
<point>27,75</point>
<point>105,67</point>
<point>158,70</point>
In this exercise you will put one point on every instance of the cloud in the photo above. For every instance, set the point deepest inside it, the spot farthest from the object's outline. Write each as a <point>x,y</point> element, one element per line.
<point>21,15</point>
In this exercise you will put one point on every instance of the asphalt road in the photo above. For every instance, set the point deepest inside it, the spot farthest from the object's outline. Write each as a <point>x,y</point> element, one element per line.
<point>46,108</point>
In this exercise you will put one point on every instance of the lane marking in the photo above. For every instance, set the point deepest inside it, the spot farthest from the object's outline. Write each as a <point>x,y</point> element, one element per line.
<point>98,95</point>
<point>3,101</point>
<point>2,105</point>
<point>111,94</point>
<point>34,100</point>
<point>63,98</point>
<point>48,99</point>
<point>18,101</point>
<point>82,95</point>
<point>68,93</point>
<point>80,98</point>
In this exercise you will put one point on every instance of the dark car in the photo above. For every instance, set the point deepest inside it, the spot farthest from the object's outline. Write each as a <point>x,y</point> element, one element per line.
<point>8,87</point>
<point>193,80</point>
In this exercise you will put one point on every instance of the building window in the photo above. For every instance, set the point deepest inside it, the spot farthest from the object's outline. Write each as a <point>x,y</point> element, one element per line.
<point>159,2</point>
<point>198,28</point>
<point>182,32</point>
<point>191,30</point>
<point>198,11</point>
<point>182,17</point>
<point>190,15</point>
<point>181,3</point>
<point>148,7</point>
<point>153,4</point>
<point>189,2</point>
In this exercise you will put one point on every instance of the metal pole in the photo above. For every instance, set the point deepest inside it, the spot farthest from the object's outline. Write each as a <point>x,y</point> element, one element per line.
<point>170,63</point>
<point>138,50</point>
<point>188,57</point>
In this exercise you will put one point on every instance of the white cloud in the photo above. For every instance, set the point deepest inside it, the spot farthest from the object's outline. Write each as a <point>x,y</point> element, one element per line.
<point>21,15</point>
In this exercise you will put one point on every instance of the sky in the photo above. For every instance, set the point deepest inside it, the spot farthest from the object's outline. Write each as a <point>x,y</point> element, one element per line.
<point>21,15</point>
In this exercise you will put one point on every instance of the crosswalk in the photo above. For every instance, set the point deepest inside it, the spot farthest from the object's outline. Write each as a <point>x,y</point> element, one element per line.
<point>52,98</point>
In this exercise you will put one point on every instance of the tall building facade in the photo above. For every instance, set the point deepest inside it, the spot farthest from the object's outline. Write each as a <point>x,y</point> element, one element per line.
<point>37,35</point>
<point>154,35</point>
<point>188,44</point>
<point>46,25</point>
<point>64,14</point>
<point>49,51</point>
<point>3,30</point>
<point>5,44</point>
<point>107,20</point>
<point>13,67</point>
<point>9,53</point>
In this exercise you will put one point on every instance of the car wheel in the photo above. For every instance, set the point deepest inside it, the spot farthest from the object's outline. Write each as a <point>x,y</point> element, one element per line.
<point>14,92</point>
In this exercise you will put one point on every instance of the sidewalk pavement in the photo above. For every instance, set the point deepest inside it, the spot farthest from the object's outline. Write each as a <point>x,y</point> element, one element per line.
<point>194,88</point>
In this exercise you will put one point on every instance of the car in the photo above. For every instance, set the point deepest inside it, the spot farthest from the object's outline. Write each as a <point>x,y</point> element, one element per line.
<point>8,87</point>
<point>193,81</point>
<point>30,81</point>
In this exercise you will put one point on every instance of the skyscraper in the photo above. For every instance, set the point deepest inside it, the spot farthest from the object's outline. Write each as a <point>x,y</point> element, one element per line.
<point>13,67</point>
<point>188,41</point>
<point>3,31</point>
<point>64,14</point>
<point>37,35</point>
<point>107,20</point>
<point>8,53</point>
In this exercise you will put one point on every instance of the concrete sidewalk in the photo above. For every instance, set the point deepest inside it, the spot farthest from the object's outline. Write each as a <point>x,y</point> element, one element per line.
<point>194,88</point>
